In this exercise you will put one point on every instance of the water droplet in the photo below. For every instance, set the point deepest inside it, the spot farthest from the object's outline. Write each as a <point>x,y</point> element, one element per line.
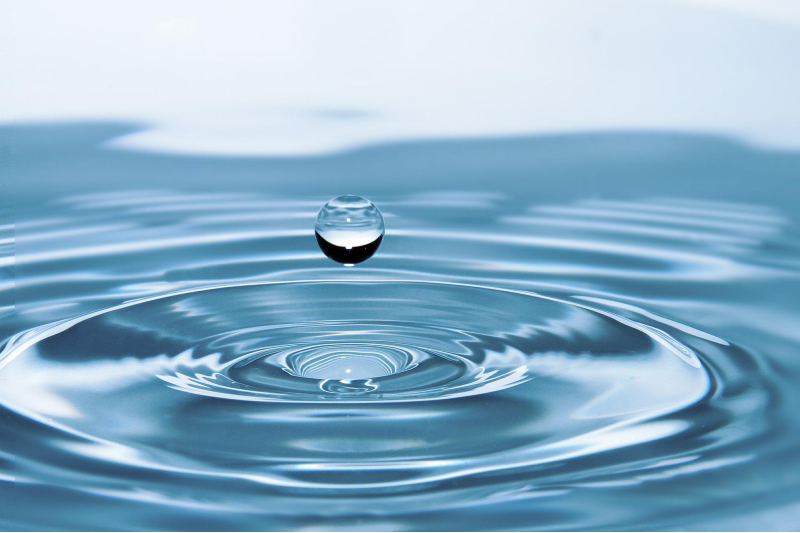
<point>349,229</point>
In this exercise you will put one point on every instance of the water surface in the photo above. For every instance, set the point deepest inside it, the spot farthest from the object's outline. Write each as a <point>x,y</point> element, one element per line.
<point>588,331</point>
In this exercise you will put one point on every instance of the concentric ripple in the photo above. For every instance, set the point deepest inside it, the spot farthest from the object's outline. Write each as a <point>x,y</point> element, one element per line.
<point>574,381</point>
<point>207,369</point>
<point>379,341</point>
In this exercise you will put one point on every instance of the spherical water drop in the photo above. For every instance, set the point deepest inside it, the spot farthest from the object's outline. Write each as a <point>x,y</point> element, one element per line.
<point>349,229</point>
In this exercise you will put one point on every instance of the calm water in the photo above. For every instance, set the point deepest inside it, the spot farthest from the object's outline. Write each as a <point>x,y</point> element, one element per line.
<point>589,331</point>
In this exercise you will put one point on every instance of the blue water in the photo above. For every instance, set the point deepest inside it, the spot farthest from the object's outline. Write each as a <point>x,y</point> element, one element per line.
<point>593,331</point>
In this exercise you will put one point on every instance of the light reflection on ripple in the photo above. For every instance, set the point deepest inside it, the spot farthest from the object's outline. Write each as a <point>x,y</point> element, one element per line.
<point>577,355</point>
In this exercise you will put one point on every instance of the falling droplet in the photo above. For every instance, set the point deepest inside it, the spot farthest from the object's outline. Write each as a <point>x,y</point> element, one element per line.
<point>349,229</point>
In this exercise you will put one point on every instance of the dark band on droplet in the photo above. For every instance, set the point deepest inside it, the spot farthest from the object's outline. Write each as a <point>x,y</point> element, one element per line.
<point>354,255</point>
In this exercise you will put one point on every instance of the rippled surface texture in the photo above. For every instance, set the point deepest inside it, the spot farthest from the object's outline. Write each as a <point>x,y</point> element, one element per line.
<point>602,335</point>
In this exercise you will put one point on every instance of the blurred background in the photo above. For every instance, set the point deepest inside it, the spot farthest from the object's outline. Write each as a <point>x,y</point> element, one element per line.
<point>306,77</point>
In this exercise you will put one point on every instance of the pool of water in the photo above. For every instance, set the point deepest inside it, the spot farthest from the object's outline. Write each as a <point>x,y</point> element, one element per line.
<point>557,332</point>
